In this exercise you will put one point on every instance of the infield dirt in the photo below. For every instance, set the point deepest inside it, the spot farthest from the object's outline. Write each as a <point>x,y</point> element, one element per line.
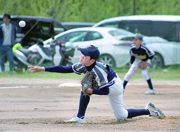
<point>36,105</point>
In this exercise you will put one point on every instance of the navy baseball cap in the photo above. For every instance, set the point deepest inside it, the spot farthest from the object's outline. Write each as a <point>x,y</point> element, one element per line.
<point>91,50</point>
<point>138,36</point>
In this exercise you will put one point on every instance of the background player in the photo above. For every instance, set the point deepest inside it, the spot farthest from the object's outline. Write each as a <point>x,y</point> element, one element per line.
<point>109,84</point>
<point>139,53</point>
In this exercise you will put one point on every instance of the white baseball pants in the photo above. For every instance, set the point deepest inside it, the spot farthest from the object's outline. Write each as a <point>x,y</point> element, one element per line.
<point>134,69</point>
<point>116,99</point>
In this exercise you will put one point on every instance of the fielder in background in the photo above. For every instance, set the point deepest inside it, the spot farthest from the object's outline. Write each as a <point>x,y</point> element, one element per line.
<point>141,57</point>
<point>109,84</point>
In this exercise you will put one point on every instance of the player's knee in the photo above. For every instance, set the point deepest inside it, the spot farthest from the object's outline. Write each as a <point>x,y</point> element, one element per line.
<point>121,114</point>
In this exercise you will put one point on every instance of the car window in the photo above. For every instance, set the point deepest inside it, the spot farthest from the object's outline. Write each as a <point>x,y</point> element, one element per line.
<point>58,28</point>
<point>110,24</point>
<point>80,37</point>
<point>30,26</point>
<point>93,35</point>
<point>44,27</point>
<point>76,25</point>
<point>136,26</point>
<point>72,36</point>
<point>166,30</point>
<point>127,39</point>
<point>119,32</point>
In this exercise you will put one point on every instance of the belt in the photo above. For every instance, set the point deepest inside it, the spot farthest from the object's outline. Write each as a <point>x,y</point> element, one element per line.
<point>111,83</point>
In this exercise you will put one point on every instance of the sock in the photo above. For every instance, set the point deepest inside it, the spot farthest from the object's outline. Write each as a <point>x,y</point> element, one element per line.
<point>125,83</point>
<point>83,103</point>
<point>137,112</point>
<point>150,84</point>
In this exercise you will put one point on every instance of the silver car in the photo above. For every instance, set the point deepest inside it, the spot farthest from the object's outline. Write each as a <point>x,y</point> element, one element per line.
<point>112,51</point>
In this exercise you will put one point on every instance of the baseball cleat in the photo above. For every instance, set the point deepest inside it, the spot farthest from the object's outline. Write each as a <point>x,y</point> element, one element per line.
<point>77,119</point>
<point>150,91</point>
<point>155,112</point>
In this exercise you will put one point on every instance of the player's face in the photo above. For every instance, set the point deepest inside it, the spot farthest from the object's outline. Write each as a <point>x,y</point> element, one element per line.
<point>6,20</point>
<point>137,43</point>
<point>86,60</point>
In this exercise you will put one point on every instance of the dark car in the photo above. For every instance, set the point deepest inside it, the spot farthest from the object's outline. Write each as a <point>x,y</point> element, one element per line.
<point>164,26</point>
<point>36,27</point>
<point>71,25</point>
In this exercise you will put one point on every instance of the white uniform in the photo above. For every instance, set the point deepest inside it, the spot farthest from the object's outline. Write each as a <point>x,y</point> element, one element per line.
<point>105,76</point>
<point>116,99</point>
<point>138,55</point>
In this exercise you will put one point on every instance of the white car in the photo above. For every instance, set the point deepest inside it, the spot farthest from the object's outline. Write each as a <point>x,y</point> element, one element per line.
<point>166,52</point>
<point>112,52</point>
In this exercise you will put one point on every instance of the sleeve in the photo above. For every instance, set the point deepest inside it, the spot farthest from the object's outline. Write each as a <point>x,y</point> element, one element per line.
<point>78,68</point>
<point>60,69</point>
<point>15,32</point>
<point>1,35</point>
<point>132,57</point>
<point>150,53</point>
<point>102,91</point>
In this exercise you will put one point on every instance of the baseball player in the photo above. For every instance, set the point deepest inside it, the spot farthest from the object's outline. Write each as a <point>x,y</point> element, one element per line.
<point>141,57</point>
<point>109,84</point>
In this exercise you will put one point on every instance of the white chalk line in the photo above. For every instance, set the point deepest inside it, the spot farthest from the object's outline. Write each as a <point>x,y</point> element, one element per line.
<point>79,85</point>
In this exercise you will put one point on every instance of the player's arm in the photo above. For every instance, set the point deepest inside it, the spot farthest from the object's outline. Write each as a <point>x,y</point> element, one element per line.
<point>132,58</point>
<point>61,69</point>
<point>150,53</point>
<point>102,91</point>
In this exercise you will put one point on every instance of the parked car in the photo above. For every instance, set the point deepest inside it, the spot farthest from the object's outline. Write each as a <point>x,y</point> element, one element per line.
<point>166,52</point>
<point>36,27</point>
<point>112,52</point>
<point>165,26</point>
<point>71,25</point>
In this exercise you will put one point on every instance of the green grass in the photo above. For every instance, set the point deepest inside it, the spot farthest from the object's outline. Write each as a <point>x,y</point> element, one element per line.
<point>168,73</point>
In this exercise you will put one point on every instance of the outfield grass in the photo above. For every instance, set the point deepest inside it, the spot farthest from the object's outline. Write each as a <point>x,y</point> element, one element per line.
<point>169,73</point>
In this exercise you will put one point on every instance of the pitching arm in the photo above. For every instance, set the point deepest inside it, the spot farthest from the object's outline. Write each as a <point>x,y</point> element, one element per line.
<point>61,69</point>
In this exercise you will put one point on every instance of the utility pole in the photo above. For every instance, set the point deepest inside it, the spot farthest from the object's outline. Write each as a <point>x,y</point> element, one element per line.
<point>134,7</point>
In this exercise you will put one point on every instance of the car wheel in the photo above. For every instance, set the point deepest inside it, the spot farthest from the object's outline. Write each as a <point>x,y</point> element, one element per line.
<point>107,59</point>
<point>157,61</point>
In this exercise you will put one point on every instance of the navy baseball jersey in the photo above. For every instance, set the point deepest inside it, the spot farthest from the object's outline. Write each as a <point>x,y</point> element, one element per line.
<point>143,53</point>
<point>102,73</point>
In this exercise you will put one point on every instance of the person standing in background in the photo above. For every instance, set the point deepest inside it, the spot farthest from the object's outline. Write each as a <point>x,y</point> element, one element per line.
<point>140,54</point>
<point>7,40</point>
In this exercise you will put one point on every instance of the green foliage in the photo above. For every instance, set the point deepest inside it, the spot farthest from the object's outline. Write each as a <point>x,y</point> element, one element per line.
<point>88,10</point>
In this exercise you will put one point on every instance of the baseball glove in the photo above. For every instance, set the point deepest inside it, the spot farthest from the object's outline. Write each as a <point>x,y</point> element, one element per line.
<point>143,65</point>
<point>88,82</point>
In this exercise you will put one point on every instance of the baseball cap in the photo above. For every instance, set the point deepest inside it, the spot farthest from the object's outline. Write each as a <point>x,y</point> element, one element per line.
<point>138,36</point>
<point>91,50</point>
<point>7,15</point>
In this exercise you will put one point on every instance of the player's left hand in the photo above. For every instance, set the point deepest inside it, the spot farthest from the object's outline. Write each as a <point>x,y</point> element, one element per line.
<point>143,65</point>
<point>89,91</point>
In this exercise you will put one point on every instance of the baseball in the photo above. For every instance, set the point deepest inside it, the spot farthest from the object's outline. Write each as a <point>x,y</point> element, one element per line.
<point>22,23</point>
